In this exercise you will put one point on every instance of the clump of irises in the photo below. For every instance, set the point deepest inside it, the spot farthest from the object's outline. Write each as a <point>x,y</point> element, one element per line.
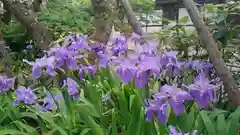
<point>141,66</point>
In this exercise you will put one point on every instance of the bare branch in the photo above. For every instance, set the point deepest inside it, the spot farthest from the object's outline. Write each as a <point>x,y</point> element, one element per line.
<point>103,19</point>
<point>39,33</point>
<point>214,54</point>
<point>136,26</point>
<point>6,58</point>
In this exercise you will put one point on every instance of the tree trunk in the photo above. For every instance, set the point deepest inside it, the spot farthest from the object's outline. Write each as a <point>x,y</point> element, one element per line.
<point>214,54</point>
<point>6,58</point>
<point>39,33</point>
<point>7,15</point>
<point>37,5</point>
<point>136,26</point>
<point>103,19</point>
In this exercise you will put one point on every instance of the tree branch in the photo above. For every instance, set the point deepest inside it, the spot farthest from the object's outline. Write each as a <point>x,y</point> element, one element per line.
<point>136,26</point>
<point>39,33</point>
<point>37,5</point>
<point>6,59</point>
<point>214,54</point>
<point>103,19</point>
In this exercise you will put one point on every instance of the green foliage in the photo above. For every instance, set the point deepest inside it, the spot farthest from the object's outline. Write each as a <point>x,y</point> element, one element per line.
<point>143,6</point>
<point>223,17</point>
<point>63,16</point>
<point>107,108</point>
<point>59,16</point>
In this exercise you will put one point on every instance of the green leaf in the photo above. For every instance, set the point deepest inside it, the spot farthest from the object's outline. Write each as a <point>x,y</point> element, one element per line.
<point>233,122</point>
<point>136,117</point>
<point>148,128</point>
<point>68,102</point>
<point>189,121</point>
<point>11,132</point>
<point>29,115</point>
<point>184,19</point>
<point>93,95</point>
<point>163,130</point>
<point>90,122</point>
<point>89,107</point>
<point>123,106</point>
<point>26,127</point>
<point>221,17</point>
<point>210,8</point>
<point>114,124</point>
<point>85,131</point>
<point>221,125</point>
<point>59,129</point>
<point>207,123</point>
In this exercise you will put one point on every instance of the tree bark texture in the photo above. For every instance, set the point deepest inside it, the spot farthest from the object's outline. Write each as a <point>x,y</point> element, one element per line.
<point>39,33</point>
<point>6,59</point>
<point>37,5</point>
<point>7,15</point>
<point>135,24</point>
<point>214,54</point>
<point>103,18</point>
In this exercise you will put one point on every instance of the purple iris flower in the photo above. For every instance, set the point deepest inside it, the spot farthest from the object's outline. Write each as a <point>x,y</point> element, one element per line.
<point>139,69</point>
<point>121,39</point>
<point>90,69</point>
<point>65,58</point>
<point>120,45</point>
<point>25,95</point>
<point>157,108</point>
<point>170,63</point>
<point>72,88</point>
<point>174,68</point>
<point>173,131</point>
<point>141,78</point>
<point>199,66</point>
<point>49,103</point>
<point>149,48</point>
<point>127,69</point>
<point>44,62</point>
<point>68,40</point>
<point>174,96</point>
<point>6,83</point>
<point>79,42</point>
<point>136,38</point>
<point>103,60</point>
<point>169,57</point>
<point>125,74</point>
<point>119,49</point>
<point>203,91</point>
<point>81,73</point>
<point>98,48</point>
<point>151,63</point>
